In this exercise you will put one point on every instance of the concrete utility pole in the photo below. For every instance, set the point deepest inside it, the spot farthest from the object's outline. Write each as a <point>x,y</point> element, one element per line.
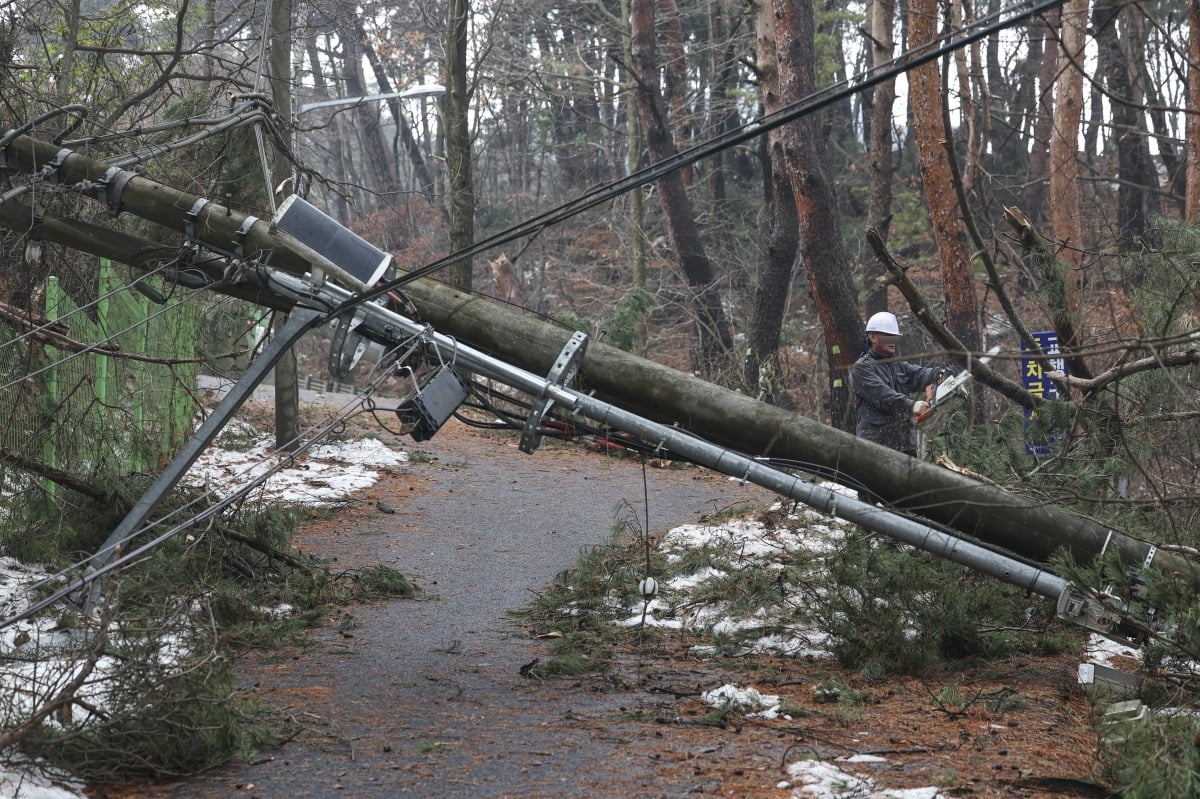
<point>287,378</point>
<point>1022,525</point>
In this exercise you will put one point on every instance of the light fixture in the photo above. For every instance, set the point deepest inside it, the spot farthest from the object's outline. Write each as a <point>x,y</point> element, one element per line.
<point>357,256</point>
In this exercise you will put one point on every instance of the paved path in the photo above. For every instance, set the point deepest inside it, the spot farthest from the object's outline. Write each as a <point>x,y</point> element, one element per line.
<point>425,698</point>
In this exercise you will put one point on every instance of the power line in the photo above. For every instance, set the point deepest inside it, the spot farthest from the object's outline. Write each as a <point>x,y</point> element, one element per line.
<point>998,20</point>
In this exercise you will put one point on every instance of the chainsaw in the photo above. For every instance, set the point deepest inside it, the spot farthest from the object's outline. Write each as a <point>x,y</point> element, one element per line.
<point>948,389</point>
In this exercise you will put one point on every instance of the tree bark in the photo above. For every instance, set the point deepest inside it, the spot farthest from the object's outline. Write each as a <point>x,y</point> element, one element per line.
<point>376,155</point>
<point>340,164</point>
<point>1034,196</point>
<point>287,378</point>
<point>1064,148</point>
<point>1191,202</point>
<point>1134,202</point>
<point>954,256</point>
<point>881,161</point>
<point>713,337</point>
<point>633,160</point>
<point>1023,525</point>
<point>676,90</point>
<point>821,250</point>
<point>64,77</point>
<point>762,367</point>
<point>1064,272</point>
<point>459,161</point>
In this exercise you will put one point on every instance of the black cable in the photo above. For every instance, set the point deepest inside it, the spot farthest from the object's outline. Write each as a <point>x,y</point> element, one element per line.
<point>558,426</point>
<point>843,479</point>
<point>953,40</point>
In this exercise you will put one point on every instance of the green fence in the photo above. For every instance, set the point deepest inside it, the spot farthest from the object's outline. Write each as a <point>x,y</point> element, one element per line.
<point>90,419</point>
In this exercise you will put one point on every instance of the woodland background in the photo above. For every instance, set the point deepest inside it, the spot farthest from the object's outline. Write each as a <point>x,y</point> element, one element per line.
<point>1076,116</point>
<point>1044,175</point>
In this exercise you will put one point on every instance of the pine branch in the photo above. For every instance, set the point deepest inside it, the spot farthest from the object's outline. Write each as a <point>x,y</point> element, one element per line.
<point>897,276</point>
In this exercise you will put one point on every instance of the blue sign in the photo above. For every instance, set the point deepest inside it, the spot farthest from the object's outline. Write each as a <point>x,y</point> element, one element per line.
<point>1033,377</point>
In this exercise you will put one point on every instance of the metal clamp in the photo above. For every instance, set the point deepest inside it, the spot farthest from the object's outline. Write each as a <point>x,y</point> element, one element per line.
<point>54,165</point>
<point>115,189</point>
<point>562,372</point>
<point>189,219</point>
<point>103,183</point>
<point>346,347</point>
<point>239,238</point>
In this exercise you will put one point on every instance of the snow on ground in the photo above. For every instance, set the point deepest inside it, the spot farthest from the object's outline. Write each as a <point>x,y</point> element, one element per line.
<point>323,475</point>
<point>695,598</point>
<point>333,472</point>
<point>328,473</point>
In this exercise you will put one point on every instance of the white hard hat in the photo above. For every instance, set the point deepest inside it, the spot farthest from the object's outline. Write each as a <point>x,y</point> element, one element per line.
<point>883,322</point>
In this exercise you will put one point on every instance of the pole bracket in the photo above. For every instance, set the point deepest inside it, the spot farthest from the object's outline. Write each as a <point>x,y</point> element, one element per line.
<point>561,373</point>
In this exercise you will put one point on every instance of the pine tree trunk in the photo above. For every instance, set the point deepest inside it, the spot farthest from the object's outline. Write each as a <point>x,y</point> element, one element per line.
<point>1191,202</point>
<point>954,255</point>
<point>287,379</point>
<point>458,143</point>
<point>881,162</point>
<point>821,250</point>
<point>762,366</point>
<point>713,339</point>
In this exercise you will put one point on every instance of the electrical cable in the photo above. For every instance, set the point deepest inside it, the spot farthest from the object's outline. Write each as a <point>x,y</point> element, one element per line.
<point>952,40</point>
<point>143,130</point>
<point>283,459</point>
<point>10,136</point>
<point>92,348</point>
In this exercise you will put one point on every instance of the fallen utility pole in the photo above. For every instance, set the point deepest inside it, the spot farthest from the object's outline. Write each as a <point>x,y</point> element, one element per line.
<point>440,395</point>
<point>1022,525</point>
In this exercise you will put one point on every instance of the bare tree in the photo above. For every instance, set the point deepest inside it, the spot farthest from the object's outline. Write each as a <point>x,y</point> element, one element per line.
<point>1136,182</point>
<point>821,250</point>
<point>1043,54</point>
<point>713,337</point>
<point>459,158</point>
<point>954,256</point>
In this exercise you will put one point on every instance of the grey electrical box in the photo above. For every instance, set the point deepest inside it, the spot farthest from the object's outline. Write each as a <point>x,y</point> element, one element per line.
<point>305,222</point>
<point>424,413</point>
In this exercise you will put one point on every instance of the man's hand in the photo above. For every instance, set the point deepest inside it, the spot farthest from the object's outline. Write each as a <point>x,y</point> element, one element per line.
<point>920,408</point>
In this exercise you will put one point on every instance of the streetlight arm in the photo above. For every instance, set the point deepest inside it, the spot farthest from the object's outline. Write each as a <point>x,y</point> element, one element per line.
<point>416,91</point>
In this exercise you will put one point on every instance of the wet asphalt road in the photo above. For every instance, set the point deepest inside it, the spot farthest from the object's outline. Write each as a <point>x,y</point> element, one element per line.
<point>425,697</point>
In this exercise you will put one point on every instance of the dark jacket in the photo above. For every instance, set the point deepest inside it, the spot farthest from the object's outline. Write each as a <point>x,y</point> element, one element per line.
<point>882,388</point>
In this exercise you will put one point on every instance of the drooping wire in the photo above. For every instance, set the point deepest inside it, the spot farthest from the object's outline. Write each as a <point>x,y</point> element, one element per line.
<point>282,459</point>
<point>94,347</point>
<point>836,92</point>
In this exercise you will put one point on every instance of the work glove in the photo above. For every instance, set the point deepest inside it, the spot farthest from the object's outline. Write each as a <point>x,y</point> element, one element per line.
<point>920,407</point>
<point>941,374</point>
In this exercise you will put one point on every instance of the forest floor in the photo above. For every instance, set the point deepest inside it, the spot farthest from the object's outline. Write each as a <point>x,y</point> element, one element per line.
<point>439,696</point>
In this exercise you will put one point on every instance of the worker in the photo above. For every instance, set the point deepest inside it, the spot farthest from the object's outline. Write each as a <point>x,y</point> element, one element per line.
<point>883,384</point>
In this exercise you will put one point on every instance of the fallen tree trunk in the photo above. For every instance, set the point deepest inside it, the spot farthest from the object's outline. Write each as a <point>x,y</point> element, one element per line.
<point>1022,525</point>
